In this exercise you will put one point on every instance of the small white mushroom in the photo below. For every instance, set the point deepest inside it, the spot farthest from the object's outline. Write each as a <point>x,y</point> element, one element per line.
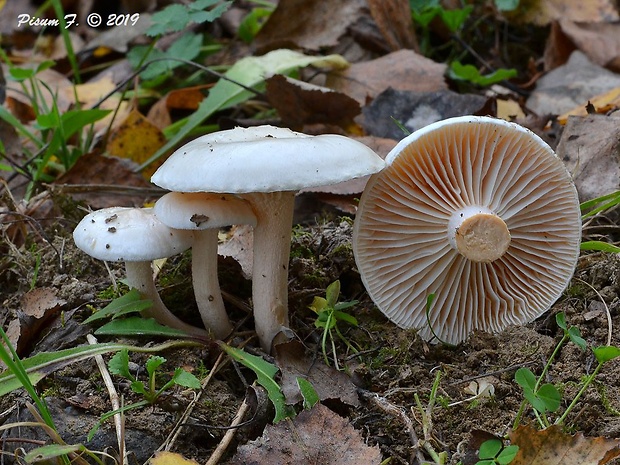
<point>135,236</point>
<point>266,166</point>
<point>477,211</point>
<point>204,214</point>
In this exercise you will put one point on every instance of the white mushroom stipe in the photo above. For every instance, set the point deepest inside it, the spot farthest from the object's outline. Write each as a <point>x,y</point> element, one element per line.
<point>477,211</point>
<point>205,214</point>
<point>266,166</point>
<point>136,237</point>
<point>478,234</point>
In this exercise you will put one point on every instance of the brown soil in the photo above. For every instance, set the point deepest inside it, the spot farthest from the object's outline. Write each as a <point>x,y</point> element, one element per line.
<point>392,363</point>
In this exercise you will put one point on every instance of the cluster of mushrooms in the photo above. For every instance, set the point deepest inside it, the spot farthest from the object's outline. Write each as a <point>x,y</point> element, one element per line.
<point>477,212</point>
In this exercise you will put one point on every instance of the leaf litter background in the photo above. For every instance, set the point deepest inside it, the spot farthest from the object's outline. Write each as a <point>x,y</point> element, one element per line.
<point>566,53</point>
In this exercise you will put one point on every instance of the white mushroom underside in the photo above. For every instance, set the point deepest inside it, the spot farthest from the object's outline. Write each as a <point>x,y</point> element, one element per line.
<point>400,232</point>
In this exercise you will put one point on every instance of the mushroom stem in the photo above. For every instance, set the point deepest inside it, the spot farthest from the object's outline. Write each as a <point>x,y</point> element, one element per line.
<point>206,283</point>
<point>478,234</point>
<point>140,277</point>
<point>272,246</point>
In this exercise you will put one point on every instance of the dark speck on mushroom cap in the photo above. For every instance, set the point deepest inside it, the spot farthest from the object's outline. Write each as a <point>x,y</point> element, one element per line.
<point>128,234</point>
<point>264,159</point>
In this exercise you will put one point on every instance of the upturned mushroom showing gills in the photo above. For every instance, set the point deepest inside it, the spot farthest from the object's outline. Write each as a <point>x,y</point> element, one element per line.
<point>475,211</point>
<point>204,214</point>
<point>135,236</point>
<point>266,165</point>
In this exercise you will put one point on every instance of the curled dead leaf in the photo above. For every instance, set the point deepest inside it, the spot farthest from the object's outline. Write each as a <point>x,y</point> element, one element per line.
<point>552,446</point>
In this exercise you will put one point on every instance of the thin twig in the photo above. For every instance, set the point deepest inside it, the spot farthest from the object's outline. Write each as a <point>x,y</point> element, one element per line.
<point>398,412</point>
<point>114,401</point>
<point>228,437</point>
<point>172,437</point>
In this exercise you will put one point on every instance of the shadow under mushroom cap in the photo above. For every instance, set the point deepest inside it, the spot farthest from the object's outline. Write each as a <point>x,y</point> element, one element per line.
<point>402,240</point>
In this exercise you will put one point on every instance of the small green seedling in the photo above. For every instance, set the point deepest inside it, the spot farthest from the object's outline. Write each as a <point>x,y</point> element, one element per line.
<point>545,398</point>
<point>329,313</point>
<point>470,73</point>
<point>119,365</point>
<point>494,452</point>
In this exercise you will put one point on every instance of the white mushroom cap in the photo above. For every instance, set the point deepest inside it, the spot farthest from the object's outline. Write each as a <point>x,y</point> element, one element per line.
<point>266,165</point>
<point>477,211</point>
<point>136,236</point>
<point>204,213</point>
<point>129,235</point>
<point>264,159</point>
<point>201,210</point>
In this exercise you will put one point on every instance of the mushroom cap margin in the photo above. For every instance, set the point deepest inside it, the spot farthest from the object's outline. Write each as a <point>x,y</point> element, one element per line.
<point>264,159</point>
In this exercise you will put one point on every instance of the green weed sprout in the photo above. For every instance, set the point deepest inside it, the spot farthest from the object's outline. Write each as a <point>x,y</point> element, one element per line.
<point>329,313</point>
<point>546,397</point>
<point>494,452</point>
<point>119,365</point>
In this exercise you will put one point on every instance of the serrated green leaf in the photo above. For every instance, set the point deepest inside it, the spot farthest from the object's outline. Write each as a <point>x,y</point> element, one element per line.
<point>153,363</point>
<point>265,374</point>
<point>136,326</point>
<point>119,364</point>
<point>186,379</point>
<point>173,18</point>
<point>470,73</point>
<point>138,388</point>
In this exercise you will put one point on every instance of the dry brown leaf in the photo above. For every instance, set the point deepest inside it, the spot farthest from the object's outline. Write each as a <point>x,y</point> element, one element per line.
<point>551,446</point>
<point>401,70</point>
<point>316,436</point>
<point>101,171</point>
<point>239,246</point>
<point>39,307</point>
<point>55,90</point>
<point>41,302</point>
<point>590,147</point>
<point>602,103</point>
<point>309,24</point>
<point>300,103</point>
<point>394,20</point>
<point>136,138</point>
<point>89,94</point>
<point>328,382</point>
<point>558,47</point>
<point>542,12</point>
<point>599,41</point>
<point>170,458</point>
